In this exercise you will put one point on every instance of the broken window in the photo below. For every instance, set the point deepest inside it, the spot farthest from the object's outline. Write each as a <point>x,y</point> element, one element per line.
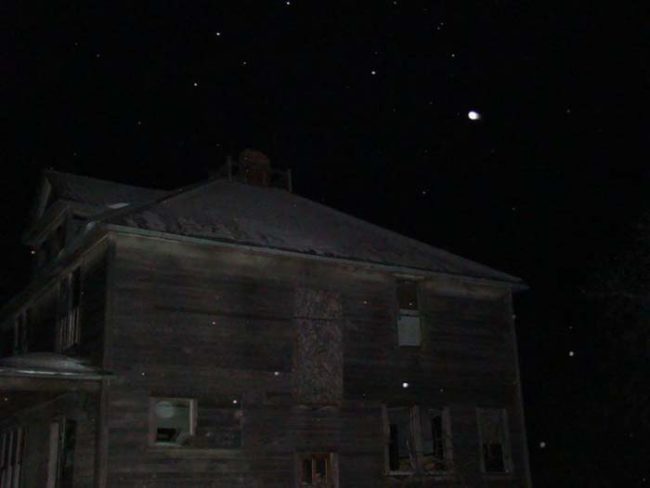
<point>69,305</point>
<point>418,440</point>
<point>401,448</point>
<point>172,421</point>
<point>12,445</point>
<point>493,434</point>
<point>436,439</point>
<point>408,321</point>
<point>317,470</point>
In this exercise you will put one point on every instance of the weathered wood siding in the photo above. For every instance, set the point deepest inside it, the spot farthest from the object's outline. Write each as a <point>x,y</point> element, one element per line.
<point>93,304</point>
<point>188,320</point>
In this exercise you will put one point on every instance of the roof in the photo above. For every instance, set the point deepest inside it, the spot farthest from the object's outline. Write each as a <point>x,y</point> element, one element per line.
<point>96,192</point>
<point>239,213</point>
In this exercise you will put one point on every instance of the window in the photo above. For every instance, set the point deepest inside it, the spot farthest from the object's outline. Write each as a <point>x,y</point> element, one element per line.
<point>493,435</point>
<point>401,449</point>
<point>436,439</point>
<point>12,445</point>
<point>20,334</point>
<point>408,321</point>
<point>172,421</point>
<point>418,440</point>
<point>69,305</point>
<point>63,438</point>
<point>317,470</point>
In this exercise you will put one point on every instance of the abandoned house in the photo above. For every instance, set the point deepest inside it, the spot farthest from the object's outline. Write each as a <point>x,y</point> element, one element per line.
<point>234,334</point>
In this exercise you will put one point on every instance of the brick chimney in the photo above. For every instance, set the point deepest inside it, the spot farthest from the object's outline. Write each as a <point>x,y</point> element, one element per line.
<point>255,167</point>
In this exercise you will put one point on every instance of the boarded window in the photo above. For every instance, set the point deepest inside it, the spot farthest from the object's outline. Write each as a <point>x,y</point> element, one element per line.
<point>172,421</point>
<point>436,439</point>
<point>318,353</point>
<point>317,470</point>
<point>493,434</point>
<point>401,449</point>
<point>12,443</point>
<point>408,321</point>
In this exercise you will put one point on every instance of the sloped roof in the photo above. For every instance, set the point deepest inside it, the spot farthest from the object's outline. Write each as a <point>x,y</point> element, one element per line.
<point>96,192</point>
<point>273,218</point>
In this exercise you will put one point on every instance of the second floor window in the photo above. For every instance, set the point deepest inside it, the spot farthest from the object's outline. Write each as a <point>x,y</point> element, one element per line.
<point>68,327</point>
<point>408,320</point>
<point>21,326</point>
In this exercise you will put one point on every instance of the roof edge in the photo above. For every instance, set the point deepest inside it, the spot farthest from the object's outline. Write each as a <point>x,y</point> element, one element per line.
<point>516,284</point>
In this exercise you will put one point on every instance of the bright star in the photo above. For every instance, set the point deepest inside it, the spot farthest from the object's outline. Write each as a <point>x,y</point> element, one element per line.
<point>473,115</point>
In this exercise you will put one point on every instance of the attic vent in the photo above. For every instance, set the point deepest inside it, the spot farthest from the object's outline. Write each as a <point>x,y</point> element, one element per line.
<point>254,167</point>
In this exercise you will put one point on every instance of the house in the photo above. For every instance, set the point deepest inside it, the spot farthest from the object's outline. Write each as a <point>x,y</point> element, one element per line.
<point>234,334</point>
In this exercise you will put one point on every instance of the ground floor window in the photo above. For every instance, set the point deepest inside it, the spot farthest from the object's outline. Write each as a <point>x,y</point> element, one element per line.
<point>494,441</point>
<point>172,421</point>
<point>12,445</point>
<point>317,470</point>
<point>418,439</point>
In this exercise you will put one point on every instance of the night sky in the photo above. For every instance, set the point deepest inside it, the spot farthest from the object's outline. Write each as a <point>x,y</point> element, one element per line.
<point>367,103</point>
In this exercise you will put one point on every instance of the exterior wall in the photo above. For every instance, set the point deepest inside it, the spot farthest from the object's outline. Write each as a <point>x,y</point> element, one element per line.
<point>187,320</point>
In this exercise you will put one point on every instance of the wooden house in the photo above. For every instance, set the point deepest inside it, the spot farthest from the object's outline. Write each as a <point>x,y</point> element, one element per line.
<point>234,334</point>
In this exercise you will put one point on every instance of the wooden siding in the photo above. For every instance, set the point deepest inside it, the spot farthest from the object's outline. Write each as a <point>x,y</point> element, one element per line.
<point>187,320</point>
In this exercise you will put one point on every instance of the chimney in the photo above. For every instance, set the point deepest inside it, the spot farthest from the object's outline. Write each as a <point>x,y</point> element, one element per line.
<point>255,167</point>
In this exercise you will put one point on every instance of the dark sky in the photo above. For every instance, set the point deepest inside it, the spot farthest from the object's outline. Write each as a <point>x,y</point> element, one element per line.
<point>367,103</point>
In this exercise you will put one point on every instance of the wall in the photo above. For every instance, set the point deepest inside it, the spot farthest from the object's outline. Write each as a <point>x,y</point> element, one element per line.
<point>189,320</point>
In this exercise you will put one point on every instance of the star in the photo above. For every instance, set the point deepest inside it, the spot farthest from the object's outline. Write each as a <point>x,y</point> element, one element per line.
<point>218,34</point>
<point>571,353</point>
<point>373,72</point>
<point>196,84</point>
<point>473,115</point>
<point>542,444</point>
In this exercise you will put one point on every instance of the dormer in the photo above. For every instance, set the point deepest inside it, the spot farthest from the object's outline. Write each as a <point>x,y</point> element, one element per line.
<point>65,203</point>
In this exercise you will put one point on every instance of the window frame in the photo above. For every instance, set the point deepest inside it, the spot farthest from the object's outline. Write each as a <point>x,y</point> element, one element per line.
<point>68,333</point>
<point>331,460</point>
<point>12,452</point>
<point>448,450</point>
<point>153,429</point>
<point>409,313</point>
<point>506,449</point>
<point>415,423</point>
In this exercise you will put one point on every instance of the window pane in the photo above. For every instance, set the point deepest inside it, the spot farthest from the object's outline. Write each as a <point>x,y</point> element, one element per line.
<point>400,439</point>
<point>172,417</point>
